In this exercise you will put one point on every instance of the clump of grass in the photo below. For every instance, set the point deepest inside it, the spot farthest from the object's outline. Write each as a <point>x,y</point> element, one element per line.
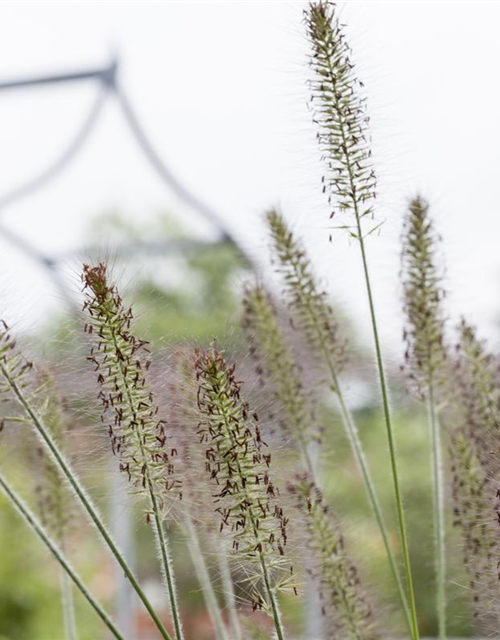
<point>238,465</point>
<point>211,465</point>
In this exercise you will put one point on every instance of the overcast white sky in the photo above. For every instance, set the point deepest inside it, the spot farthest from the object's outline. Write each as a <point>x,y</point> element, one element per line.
<point>220,89</point>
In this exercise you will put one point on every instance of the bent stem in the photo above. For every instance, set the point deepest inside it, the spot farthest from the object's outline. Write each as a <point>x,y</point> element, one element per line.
<point>204,579</point>
<point>389,428</point>
<point>80,492</point>
<point>33,523</point>
<point>438,509</point>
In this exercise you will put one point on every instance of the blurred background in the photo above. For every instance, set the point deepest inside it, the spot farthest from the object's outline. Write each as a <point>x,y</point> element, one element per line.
<point>190,121</point>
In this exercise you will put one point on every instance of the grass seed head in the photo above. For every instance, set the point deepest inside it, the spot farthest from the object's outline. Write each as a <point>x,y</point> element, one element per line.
<point>238,465</point>
<point>339,112</point>
<point>312,312</point>
<point>423,298</point>
<point>277,364</point>
<point>138,435</point>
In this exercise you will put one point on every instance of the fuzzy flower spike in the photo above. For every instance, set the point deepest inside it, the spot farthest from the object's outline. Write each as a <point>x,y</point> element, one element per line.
<point>238,466</point>
<point>340,115</point>
<point>475,468</point>
<point>138,436</point>
<point>423,297</point>
<point>268,346</point>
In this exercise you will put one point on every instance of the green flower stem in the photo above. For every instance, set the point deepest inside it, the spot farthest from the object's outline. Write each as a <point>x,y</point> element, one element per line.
<point>438,509</point>
<point>166,562</point>
<point>389,428</point>
<point>68,606</point>
<point>204,579</point>
<point>229,596</point>
<point>275,610</point>
<point>33,523</point>
<point>74,482</point>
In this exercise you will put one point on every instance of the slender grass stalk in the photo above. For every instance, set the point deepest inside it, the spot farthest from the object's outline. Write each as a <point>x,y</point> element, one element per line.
<point>275,608</point>
<point>68,607</point>
<point>237,466</point>
<point>314,317</point>
<point>438,511</point>
<point>340,116</point>
<point>167,569</point>
<point>390,434</point>
<point>204,579</point>
<point>228,590</point>
<point>39,530</point>
<point>136,434</point>
<point>426,357</point>
<point>9,370</point>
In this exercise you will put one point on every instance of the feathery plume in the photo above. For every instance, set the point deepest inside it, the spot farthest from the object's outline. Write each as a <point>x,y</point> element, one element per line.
<point>237,463</point>
<point>475,468</point>
<point>340,115</point>
<point>138,436</point>
<point>473,514</point>
<point>423,296</point>
<point>268,346</point>
<point>307,300</point>
<point>343,600</point>
<point>479,394</point>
